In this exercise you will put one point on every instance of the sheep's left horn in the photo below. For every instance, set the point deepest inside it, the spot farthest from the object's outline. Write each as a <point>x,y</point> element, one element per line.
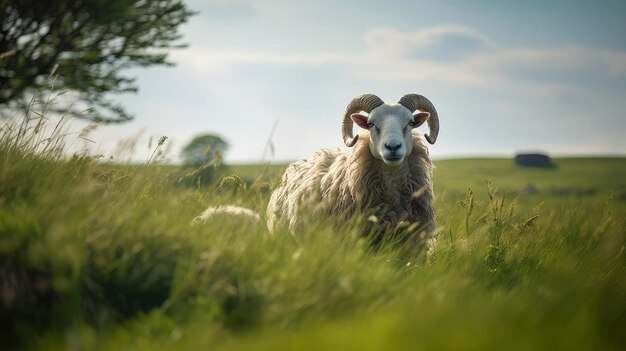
<point>417,102</point>
<point>366,103</point>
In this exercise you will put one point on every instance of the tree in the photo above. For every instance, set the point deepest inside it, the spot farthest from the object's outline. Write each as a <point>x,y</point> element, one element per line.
<point>88,43</point>
<point>204,153</point>
<point>204,150</point>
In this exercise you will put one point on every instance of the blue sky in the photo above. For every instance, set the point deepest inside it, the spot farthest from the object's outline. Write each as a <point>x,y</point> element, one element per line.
<point>505,76</point>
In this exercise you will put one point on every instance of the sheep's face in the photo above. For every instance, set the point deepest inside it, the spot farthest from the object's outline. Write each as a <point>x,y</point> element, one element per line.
<point>390,129</point>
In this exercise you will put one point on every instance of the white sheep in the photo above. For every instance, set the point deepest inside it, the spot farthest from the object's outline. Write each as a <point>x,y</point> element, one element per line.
<point>228,210</point>
<point>384,175</point>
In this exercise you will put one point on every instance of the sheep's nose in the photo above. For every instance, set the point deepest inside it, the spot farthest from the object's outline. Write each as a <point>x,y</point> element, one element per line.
<point>393,147</point>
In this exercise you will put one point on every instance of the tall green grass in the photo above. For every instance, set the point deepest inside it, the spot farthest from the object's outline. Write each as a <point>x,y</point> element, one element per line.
<point>100,256</point>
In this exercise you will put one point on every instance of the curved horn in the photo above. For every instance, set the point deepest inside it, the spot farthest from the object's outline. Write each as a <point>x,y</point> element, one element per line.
<point>417,102</point>
<point>366,103</point>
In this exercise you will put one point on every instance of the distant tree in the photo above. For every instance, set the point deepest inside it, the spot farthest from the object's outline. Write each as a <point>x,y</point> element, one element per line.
<point>204,153</point>
<point>204,149</point>
<point>88,42</point>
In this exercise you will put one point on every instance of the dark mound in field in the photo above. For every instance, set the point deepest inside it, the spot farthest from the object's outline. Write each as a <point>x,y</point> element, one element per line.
<point>534,160</point>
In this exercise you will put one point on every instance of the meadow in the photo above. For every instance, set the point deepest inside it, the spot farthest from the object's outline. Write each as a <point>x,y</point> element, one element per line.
<point>96,255</point>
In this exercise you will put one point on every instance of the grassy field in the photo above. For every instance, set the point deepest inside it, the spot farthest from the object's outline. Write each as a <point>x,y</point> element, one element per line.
<point>96,256</point>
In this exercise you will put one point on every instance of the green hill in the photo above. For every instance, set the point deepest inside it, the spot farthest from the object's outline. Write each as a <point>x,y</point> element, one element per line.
<point>571,176</point>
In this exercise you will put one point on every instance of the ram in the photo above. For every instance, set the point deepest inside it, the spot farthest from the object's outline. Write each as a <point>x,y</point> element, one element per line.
<point>384,175</point>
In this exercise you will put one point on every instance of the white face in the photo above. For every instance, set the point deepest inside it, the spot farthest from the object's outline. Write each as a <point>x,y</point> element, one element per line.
<point>390,128</point>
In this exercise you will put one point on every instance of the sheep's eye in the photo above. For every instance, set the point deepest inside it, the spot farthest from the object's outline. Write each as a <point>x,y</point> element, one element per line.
<point>370,124</point>
<point>411,124</point>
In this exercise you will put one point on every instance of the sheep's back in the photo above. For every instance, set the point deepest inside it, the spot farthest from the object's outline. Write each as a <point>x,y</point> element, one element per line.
<point>301,183</point>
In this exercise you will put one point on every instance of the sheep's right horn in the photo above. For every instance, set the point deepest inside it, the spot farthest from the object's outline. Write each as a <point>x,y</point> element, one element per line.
<point>417,102</point>
<point>366,103</point>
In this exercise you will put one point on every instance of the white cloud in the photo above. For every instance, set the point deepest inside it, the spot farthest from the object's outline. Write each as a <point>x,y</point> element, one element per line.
<point>205,61</point>
<point>462,56</point>
<point>616,62</point>
<point>391,40</point>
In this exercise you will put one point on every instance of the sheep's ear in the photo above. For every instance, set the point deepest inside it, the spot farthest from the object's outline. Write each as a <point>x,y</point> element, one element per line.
<point>360,120</point>
<point>419,118</point>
